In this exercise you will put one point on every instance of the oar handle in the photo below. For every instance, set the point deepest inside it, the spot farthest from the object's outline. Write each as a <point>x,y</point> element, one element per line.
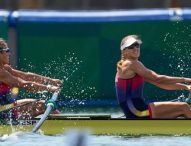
<point>52,102</point>
<point>55,95</point>
<point>189,95</point>
<point>188,99</point>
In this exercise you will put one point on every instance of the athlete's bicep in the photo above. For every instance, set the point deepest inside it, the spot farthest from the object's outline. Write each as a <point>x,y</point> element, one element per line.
<point>10,80</point>
<point>15,72</point>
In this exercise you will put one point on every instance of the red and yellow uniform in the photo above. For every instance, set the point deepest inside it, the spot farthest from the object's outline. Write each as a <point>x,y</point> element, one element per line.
<point>130,97</point>
<point>7,100</point>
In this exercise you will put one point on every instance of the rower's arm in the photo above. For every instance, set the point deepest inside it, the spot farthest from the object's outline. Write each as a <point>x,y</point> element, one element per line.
<point>152,76</point>
<point>33,77</point>
<point>172,86</point>
<point>13,81</point>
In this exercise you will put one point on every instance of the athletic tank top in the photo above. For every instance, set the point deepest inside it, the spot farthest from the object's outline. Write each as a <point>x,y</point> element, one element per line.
<point>129,88</point>
<point>4,94</point>
<point>6,97</point>
<point>130,97</point>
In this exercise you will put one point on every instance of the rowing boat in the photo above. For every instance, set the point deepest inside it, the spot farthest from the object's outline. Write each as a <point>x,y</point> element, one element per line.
<point>102,125</point>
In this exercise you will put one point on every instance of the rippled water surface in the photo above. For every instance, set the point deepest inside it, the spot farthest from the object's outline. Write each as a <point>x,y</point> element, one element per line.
<point>31,139</point>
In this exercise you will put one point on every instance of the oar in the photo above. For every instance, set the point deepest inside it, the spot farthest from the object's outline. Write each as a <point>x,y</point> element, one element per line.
<point>183,99</point>
<point>50,107</point>
<point>188,99</point>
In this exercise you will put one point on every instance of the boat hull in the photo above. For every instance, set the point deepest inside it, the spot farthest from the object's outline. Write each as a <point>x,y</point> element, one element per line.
<point>106,127</point>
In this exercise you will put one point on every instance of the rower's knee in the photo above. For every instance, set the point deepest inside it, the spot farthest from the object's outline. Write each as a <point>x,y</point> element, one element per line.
<point>41,105</point>
<point>184,107</point>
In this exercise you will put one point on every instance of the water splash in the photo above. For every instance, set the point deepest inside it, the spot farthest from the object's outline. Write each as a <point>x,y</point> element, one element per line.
<point>179,58</point>
<point>68,68</point>
<point>177,50</point>
<point>12,137</point>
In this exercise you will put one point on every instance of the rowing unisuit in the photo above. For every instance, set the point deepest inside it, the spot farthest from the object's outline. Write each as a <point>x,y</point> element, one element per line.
<point>130,97</point>
<point>5,98</point>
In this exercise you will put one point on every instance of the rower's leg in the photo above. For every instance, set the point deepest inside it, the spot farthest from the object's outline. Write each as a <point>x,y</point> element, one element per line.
<point>170,109</point>
<point>31,110</point>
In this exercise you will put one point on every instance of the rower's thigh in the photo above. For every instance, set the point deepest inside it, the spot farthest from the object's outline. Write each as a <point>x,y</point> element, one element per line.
<point>23,101</point>
<point>32,102</point>
<point>32,109</point>
<point>167,109</point>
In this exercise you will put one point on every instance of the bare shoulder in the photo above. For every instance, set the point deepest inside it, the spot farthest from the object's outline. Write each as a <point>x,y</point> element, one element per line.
<point>3,73</point>
<point>127,63</point>
<point>136,64</point>
<point>132,64</point>
<point>7,67</point>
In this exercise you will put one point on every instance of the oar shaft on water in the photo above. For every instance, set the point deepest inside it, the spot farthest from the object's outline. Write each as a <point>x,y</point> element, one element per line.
<point>46,113</point>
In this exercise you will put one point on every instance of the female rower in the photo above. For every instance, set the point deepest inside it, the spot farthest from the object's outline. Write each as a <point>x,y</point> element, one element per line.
<point>130,77</point>
<point>10,78</point>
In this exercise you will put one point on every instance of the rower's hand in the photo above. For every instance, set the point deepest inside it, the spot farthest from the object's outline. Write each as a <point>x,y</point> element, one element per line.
<point>53,88</point>
<point>188,87</point>
<point>57,82</point>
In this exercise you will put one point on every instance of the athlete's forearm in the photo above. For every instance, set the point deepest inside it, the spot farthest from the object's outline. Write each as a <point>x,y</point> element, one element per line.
<point>35,87</point>
<point>170,86</point>
<point>171,80</point>
<point>174,86</point>
<point>179,86</point>
<point>38,78</point>
<point>42,79</point>
<point>27,76</point>
<point>28,85</point>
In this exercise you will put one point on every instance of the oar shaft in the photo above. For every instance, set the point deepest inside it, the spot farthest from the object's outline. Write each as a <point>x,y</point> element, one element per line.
<point>41,121</point>
<point>46,113</point>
